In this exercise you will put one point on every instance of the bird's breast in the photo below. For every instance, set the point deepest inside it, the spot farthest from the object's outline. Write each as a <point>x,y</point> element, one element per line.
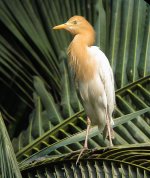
<point>82,62</point>
<point>91,90</point>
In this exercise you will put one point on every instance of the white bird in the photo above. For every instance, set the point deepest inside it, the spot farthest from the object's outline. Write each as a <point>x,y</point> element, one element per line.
<point>93,75</point>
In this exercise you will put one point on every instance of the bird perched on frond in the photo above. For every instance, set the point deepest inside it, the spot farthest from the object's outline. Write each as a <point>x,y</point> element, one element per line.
<point>93,75</point>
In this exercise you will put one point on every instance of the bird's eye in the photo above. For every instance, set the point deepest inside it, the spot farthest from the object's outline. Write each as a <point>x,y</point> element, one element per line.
<point>74,22</point>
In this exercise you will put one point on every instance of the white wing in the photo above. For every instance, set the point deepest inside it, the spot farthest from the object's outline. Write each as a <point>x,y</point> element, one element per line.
<point>106,75</point>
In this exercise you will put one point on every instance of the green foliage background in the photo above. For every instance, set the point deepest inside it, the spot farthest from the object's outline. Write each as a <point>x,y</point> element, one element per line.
<point>39,104</point>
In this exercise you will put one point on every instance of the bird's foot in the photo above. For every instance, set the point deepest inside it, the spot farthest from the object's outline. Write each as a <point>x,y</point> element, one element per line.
<point>111,133</point>
<point>81,152</point>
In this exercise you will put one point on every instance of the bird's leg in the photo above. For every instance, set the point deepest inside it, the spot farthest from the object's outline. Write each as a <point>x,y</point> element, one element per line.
<point>87,133</point>
<point>86,139</point>
<point>109,128</point>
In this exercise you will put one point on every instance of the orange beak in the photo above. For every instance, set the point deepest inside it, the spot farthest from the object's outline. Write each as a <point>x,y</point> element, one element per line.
<point>60,27</point>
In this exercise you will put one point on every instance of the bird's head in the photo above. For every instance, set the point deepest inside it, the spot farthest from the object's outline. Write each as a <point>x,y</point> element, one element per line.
<point>76,25</point>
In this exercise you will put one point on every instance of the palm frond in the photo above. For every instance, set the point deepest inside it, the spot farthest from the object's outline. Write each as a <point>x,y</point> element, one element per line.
<point>135,131</point>
<point>33,62</point>
<point>8,162</point>
<point>128,161</point>
<point>72,143</point>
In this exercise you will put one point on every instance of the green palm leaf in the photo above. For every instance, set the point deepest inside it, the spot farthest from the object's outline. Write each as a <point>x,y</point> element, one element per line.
<point>33,62</point>
<point>72,143</point>
<point>114,162</point>
<point>8,162</point>
<point>136,131</point>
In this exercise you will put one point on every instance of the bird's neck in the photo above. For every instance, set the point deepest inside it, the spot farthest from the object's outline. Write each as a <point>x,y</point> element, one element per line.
<point>80,58</point>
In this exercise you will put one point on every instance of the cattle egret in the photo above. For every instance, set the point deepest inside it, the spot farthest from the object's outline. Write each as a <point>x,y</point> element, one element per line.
<point>93,75</point>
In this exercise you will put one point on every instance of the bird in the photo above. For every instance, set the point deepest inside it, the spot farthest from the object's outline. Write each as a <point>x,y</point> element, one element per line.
<point>93,76</point>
